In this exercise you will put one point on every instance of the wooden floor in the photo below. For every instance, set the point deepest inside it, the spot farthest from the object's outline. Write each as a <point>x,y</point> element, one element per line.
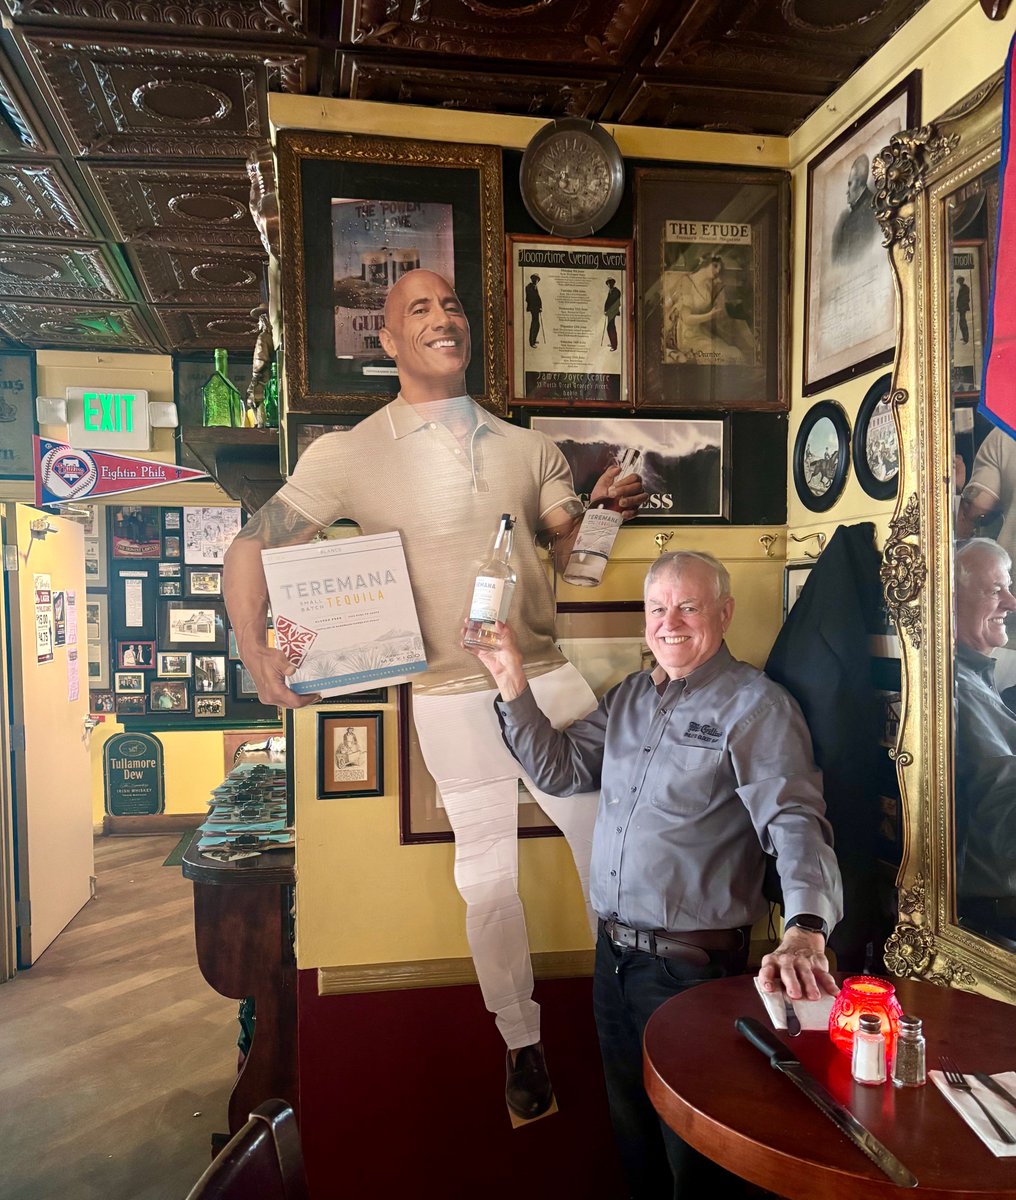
<point>116,1058</point>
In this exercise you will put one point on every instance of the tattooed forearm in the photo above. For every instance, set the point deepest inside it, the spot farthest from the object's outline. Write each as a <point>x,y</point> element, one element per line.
<point>277,524</point>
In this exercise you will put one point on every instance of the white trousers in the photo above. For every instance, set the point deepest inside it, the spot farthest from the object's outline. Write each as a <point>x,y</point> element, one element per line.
<point>461,742</point>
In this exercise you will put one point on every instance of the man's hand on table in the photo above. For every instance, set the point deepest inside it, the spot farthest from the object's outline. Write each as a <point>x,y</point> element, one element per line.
<point>798,965</point>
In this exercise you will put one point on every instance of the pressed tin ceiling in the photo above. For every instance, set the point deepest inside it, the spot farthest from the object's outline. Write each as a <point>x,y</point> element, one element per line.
<point>125,124</point>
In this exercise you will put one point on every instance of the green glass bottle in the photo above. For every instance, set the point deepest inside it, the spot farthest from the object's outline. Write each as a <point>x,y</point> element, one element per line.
<point>222,403</point>
<point>271,398</point>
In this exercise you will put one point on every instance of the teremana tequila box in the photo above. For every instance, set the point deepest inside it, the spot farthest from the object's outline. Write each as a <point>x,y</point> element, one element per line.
<point>344,613</point>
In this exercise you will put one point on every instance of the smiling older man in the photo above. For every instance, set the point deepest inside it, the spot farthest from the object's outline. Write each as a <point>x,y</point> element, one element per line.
<point>703,766</point>
<point>439,469</point>
<point>985,742</point>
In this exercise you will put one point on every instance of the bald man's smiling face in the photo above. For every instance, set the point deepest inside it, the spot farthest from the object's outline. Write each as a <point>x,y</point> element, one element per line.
<point>427,334</point>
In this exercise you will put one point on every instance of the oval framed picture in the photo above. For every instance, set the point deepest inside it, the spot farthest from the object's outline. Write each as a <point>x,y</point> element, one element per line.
<point>876,449</point>
<point>822,455</point>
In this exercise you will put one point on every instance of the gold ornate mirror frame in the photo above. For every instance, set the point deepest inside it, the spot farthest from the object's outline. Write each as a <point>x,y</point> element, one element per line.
<point>916,174</point>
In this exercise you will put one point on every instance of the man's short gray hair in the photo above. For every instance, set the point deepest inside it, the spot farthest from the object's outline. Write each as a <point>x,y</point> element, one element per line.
<point>674,562</point>
<point>970,548</point>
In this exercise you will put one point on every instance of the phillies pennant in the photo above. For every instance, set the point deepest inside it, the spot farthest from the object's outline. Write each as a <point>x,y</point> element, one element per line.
<point>64,473</point>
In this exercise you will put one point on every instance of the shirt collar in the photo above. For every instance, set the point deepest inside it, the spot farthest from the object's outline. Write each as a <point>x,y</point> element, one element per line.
<point>701,675</point>
<point>983,664</point>
<point>405,418</point>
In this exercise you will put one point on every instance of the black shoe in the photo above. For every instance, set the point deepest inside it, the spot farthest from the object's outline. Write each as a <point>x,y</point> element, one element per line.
<point>528,1090</point>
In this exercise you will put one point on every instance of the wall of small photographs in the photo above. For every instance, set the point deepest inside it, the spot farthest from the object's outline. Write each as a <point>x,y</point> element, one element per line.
<point>161,650</point>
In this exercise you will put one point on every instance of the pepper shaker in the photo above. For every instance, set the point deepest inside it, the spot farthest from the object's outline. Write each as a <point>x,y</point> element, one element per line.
<point>909,1061</point>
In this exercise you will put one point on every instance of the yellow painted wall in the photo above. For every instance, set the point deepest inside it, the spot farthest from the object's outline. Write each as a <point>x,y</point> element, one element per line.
<point>956,47</point>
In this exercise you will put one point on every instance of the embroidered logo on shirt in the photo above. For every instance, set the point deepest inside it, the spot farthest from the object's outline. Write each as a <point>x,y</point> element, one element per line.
<point>703,733</point>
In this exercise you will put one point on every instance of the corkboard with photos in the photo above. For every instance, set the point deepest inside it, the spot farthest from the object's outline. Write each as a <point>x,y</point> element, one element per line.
<point>163,651</point>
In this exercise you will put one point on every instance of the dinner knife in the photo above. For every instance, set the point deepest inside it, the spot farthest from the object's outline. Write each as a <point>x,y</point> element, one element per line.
<point>994,1086</point>
<point>783,1059</point>
<point>793,1021</point>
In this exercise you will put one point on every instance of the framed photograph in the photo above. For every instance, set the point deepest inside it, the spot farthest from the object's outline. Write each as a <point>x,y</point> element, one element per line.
<point>172,547</point>
<point>192,625</point>
<point>570,317</point>
<point>132,705</point>
<point>170,570</point>
<point>97,640</point>
<point>714,271</point>
<point>234,653</point>
<point>874,443</point>
<point>101,701</point>
<point>359,213</point>
<point>170,587</point>
<point>92,519</point>
<point>209,706</point>
<point>174,664</point>
<point>350,754</point>
<point>244,687</point>
<point>203,583</point>
<point>129,681</point>
<point>605,641</point>
<point>850,302</point>
<point>822,455</point>
<point>683,461</point>
<point>134,531</point>
<point>17,414</point>
<point>168,697</point>
<point>172,520</point>
<point>795,576</point>
<point>207,533</point>
<point>135,656</point>
<point>209,672</point>
<point>969,286</point>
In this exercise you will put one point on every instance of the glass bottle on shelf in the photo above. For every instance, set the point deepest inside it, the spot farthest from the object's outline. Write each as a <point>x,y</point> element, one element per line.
<point>492,592</point>
<point>595,538</point>
<point>222,404</point>
<point>270,401</point>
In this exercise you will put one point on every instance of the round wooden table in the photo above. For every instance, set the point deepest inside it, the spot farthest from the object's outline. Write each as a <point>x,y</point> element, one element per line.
<point>720,1094</point>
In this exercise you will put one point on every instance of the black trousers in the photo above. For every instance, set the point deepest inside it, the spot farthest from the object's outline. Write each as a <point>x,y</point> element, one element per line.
<point>628,987</point>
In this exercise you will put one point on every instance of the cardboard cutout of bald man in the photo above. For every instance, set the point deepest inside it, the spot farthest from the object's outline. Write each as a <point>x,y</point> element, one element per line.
<point>441,470</point>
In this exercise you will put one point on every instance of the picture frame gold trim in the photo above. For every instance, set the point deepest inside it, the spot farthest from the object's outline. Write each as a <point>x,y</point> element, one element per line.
<point>315,167</point>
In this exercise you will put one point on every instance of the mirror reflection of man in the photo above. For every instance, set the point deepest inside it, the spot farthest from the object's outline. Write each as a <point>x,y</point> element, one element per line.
<point>702,763</point>
<point>439,469</point>
<point>985,742</point>
<point>857,227</point>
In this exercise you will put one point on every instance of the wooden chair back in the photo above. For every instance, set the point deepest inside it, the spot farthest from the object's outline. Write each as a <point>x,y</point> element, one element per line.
<point>264,1160</point>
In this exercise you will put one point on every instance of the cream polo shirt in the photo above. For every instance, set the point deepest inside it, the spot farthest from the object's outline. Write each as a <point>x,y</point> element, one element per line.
<point>400,470</point>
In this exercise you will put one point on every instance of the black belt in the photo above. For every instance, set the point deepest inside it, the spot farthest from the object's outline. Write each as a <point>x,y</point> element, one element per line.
<point>688,946</point>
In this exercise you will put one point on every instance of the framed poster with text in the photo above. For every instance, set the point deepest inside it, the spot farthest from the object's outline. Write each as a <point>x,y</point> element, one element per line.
<point>570,310</point>
<point>17,414</point>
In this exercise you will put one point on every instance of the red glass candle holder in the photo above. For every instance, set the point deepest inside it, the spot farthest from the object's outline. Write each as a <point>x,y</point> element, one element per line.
<point>864,994</point>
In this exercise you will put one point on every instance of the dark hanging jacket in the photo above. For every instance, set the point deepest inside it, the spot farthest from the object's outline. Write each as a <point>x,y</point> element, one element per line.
<point>822,658</point>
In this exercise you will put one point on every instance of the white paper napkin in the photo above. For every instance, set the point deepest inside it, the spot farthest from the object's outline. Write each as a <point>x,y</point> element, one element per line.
<point>813,1014</point>
<point>978,1122</point>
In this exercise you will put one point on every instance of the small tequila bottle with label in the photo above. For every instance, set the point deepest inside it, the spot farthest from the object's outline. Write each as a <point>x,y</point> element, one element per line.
<point>492,592</point>
<point>598,530</point>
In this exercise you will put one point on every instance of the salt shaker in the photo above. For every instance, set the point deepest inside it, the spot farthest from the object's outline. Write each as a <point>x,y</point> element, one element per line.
<point>867,1064</point>
<point>908,1064</point>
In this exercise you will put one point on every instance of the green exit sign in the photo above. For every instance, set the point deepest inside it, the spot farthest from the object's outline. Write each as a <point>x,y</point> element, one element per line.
<point>109,412</point>
<point>108,419</point>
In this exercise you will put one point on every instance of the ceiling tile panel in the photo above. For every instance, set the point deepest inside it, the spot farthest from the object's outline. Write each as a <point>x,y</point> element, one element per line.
<point>176,205</point>
<point>505,92</point>
<point>723,110</point>
<point>155,101</point>
<point>198,18</point>
<point>599,33</point>
<point>207,328</point>
<point>63,271</point>
<point>21,130</point>
<point>37,201</point>
<point>92,327</point>
<point>200,277</point>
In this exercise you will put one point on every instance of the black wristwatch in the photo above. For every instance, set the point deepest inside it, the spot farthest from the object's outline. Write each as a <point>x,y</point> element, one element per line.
<point>810,923</point>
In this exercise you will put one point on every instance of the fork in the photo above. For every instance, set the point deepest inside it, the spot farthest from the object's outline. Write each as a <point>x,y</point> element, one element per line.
<point>959,1081</point>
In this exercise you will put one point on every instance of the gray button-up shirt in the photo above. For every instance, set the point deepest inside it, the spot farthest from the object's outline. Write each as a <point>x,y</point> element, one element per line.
<point>698,777</point>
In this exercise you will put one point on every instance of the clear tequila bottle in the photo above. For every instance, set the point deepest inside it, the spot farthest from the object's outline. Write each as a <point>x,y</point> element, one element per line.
<point>493,590</point>
<point>596,535</point>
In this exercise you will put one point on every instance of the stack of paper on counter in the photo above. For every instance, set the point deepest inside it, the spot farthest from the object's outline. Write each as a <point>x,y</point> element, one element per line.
<point>344,613</point>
